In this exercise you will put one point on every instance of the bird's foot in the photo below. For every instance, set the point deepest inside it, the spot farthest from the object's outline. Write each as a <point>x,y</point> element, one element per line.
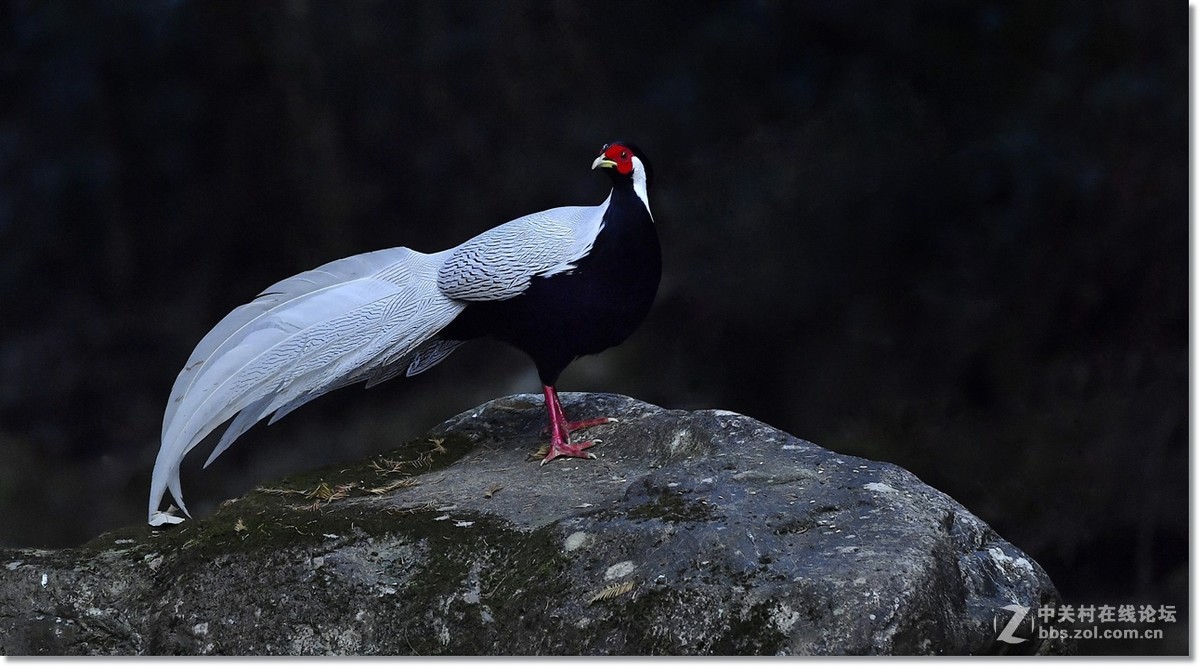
<point>577,450</point>
<point>560,431</point>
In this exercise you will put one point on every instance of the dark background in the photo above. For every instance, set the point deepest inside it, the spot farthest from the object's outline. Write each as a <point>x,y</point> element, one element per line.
<point>950,235</point>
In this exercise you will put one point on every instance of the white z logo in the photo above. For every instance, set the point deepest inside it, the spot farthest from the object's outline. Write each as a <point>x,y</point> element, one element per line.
<point>1018,615</point>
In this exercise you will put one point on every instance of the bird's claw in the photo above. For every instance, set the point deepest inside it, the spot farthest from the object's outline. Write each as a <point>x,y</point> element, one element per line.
<point>558,449</point>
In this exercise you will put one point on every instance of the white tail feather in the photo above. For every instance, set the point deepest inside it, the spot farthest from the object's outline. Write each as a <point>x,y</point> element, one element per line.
<point>302,337</point>
<point>427,356</point>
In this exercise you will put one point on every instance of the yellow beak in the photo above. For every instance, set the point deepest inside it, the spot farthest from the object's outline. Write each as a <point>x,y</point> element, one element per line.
<point>603,162</point>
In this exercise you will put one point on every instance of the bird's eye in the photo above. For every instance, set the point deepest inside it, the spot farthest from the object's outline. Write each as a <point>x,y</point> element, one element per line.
<point>624,155</point>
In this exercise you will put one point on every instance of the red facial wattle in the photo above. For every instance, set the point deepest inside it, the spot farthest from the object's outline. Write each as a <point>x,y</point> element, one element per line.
<point>622,156</point>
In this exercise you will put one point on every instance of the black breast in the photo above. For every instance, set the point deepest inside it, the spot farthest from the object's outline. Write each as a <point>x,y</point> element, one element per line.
<point>587,310</point>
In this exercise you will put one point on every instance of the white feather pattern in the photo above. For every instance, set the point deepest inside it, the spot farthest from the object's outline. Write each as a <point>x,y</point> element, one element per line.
<point>427,356</point>
<point>301,338</point>
<point>499,263</point>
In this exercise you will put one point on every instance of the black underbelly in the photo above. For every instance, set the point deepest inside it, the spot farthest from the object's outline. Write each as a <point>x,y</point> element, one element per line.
<point>566,316</point>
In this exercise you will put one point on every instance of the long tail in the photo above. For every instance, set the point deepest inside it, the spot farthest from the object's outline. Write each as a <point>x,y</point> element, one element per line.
<point>363,318</point>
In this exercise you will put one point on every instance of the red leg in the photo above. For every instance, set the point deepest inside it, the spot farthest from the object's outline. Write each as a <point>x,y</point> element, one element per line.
<point>560,430</point>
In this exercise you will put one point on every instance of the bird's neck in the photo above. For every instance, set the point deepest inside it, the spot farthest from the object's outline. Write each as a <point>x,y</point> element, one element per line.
<point>631,196</point>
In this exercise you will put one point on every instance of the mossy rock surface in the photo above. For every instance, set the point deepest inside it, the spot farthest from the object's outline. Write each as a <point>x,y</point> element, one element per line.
<point>693,533</point>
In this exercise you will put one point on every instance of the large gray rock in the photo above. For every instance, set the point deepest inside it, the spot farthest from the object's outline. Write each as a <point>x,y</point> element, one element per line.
<point>694,533</point>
